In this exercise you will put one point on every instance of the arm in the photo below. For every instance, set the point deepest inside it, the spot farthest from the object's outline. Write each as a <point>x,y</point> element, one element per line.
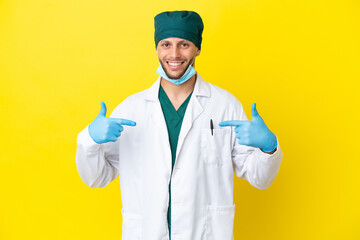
<point>96,163</point>
<point>97,154</point>
<point>257,167</point>
<point>250,138</point>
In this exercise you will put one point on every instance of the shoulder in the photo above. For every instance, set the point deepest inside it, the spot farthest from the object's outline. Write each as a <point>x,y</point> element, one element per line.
<point>136,97</point>
<point>132,102</point>
<point>223,96</point>
<point>223,99</point>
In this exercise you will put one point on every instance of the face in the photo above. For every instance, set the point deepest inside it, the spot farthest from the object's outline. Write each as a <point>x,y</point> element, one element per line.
<point>175,55</point>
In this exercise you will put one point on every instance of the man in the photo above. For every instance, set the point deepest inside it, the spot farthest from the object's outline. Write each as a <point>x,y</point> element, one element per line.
<point>176,161</point>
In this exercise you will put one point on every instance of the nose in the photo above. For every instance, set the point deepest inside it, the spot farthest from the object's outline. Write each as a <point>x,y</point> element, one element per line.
<point>175,52</point>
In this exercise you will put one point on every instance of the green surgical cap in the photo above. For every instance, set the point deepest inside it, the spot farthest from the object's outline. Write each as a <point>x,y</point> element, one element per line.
<point>182,24</point>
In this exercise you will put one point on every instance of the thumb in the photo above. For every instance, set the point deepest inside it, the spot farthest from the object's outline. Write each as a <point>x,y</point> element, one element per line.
<point>103,109</point>
<point>254,112</point>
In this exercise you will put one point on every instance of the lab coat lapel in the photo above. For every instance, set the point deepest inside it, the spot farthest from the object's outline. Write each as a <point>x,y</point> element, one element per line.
<point>193,111</point>
<point>156,117</point>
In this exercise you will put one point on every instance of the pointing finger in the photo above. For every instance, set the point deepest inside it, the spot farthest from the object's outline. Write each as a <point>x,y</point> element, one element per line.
<point>232,123</point>
<point>124,121</point>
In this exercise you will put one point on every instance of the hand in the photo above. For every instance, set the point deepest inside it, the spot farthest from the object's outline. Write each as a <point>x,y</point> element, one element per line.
<point>104,129</point>
<point>253,133</point>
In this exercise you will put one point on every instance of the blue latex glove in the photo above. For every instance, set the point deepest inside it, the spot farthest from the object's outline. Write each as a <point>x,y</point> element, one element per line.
<point>253,133</point>
<point>104,129</point>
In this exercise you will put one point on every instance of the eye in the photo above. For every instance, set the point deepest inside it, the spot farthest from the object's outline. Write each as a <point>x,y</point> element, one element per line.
<point>165,44</point>
<point>185,44</point>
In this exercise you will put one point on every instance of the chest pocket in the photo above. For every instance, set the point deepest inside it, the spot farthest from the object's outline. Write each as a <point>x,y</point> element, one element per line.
<point>216,148</point>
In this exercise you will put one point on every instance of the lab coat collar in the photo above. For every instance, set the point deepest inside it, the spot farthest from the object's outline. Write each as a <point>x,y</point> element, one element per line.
<point>200,89</point>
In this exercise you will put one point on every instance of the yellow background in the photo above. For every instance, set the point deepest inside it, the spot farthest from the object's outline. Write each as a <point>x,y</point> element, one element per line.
<point>298,60</point>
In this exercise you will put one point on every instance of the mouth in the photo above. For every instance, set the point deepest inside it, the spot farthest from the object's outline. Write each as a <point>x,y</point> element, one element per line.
<point>174,64</point>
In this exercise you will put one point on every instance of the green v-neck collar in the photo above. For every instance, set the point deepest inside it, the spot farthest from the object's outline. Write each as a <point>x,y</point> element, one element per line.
<point>181,110</point>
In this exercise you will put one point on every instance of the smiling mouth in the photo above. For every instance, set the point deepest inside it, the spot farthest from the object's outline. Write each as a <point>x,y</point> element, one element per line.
<point>174,65</point>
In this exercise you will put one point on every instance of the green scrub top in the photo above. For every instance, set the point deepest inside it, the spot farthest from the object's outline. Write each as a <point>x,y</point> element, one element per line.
<point>173,119</point>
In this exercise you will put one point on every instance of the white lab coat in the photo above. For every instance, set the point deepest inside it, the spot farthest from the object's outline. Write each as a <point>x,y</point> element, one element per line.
<point>202,179</point>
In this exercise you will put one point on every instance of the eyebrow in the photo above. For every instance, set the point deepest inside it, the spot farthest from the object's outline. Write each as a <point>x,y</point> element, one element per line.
<point>181,41</point>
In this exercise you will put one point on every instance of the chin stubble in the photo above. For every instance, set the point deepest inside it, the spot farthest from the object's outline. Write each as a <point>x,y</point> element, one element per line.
<point>180,75</point>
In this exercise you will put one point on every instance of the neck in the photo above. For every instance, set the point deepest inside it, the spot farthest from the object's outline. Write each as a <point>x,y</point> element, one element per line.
<point>178,93</point>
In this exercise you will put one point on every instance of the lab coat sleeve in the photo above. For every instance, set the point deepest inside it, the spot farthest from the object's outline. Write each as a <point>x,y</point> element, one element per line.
<point>97,164</point>
<point>253,165</point>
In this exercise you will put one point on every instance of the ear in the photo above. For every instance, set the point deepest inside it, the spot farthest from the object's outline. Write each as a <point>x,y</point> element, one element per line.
<point>197,52</point>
